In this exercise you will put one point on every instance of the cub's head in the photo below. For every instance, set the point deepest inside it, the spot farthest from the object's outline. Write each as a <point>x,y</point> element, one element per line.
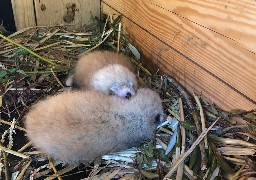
<point>117,80</point>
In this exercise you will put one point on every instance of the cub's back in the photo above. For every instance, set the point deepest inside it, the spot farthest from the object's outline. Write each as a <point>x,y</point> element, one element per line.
<point>90,63</point>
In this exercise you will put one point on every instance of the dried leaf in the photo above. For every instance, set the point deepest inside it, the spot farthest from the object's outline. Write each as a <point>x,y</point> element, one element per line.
<point>251,116</point>
<point>237,151</point>
<point>149,175</point>
<point>229,141</point>
<point>223,164</point>
<point>237,111</point>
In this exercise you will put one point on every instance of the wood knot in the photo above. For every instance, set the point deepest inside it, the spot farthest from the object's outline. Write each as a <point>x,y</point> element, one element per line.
<point>70,13</point>
<point>43,7</point>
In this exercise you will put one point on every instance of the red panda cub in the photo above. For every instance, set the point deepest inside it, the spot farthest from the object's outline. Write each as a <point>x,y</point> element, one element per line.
<point>79,126</point>
<point>104,71</point>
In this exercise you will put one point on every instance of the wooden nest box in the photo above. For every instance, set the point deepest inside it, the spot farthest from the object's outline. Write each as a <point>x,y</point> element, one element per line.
<point>207,46</point>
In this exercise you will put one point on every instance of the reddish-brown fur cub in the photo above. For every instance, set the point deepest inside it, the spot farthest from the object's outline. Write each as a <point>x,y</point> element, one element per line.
<point>79,126</point>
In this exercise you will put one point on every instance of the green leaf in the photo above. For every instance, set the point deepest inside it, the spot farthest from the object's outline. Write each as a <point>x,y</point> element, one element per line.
<point>134,51</point>
<point>150,162</point>
<point>193,157</point>
<point>12,70</point>
<point>162,156</point>
<point>210,154</point>
<point>197,165</point>
<point>117,20</point>
<point>3,73</point>
<point>214,110</point>
<point>139,158</point>
<point>188,126</point>
<point>224,116</point>
<point>150,147</point>
<point>148,153</point>
<point>21,72</point>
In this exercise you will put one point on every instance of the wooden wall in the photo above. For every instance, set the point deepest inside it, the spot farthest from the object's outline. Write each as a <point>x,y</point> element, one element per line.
<point>208,46</point>
<point>29,13</point>
<point>24,15</point>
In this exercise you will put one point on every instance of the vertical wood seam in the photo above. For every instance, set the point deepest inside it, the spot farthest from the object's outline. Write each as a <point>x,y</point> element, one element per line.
<point>34,8</point>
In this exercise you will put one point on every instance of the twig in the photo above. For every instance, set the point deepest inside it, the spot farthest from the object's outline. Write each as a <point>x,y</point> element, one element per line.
<point>54,169</point>
<point>94,47</point>
<point>13,152</point>
<point>6,166</point>
<point>112,175</point>
<point>57,79</point>
<point>174,114</point>
<point>43,72</point>
<point>21,175</point>
<point>182,119</point>
<point>35,27</point>
<point>104,28</point>
<point>24,147</point>
<point>166,131</point>
<point>201,145</point>
<point>28,50</point>
<point>9,123</point>
<point>189,173</point>
<point>63,171</point>
<point>183,142</point>
<point>187,153</point>
<point>202,118</point>
<point>118,37</point>
<point>96,169</point>
<point>46,38</point>
<point>48,46</point>
<point>138,64</point>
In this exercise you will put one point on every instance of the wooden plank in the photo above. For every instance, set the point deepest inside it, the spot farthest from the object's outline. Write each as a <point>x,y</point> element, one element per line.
<point>66,12</point>
<point>217,54</point>
<point>171,61</point>
<point>23,11</point>
<point>235,20</point>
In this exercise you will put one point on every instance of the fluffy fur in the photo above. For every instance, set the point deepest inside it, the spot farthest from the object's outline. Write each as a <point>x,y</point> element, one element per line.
<point>78,126</point>
<point>104,71</point>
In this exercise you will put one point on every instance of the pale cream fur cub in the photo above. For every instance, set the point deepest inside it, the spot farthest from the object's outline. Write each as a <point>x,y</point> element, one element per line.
<point>79,126</point>
<point>105,71</point>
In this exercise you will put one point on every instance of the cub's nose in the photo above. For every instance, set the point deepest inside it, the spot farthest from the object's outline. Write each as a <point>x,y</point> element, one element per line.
<point>128,95</point>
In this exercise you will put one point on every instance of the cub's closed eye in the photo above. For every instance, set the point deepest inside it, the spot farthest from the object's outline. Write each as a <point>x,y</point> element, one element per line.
<point>157,119</point>
<point>128,95</point>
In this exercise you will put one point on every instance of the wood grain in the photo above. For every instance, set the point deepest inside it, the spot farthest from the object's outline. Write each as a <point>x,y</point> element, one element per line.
<point>235,20</point>
<point>79,12</point>
<point>23,11</point>
<point>199,58</point>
